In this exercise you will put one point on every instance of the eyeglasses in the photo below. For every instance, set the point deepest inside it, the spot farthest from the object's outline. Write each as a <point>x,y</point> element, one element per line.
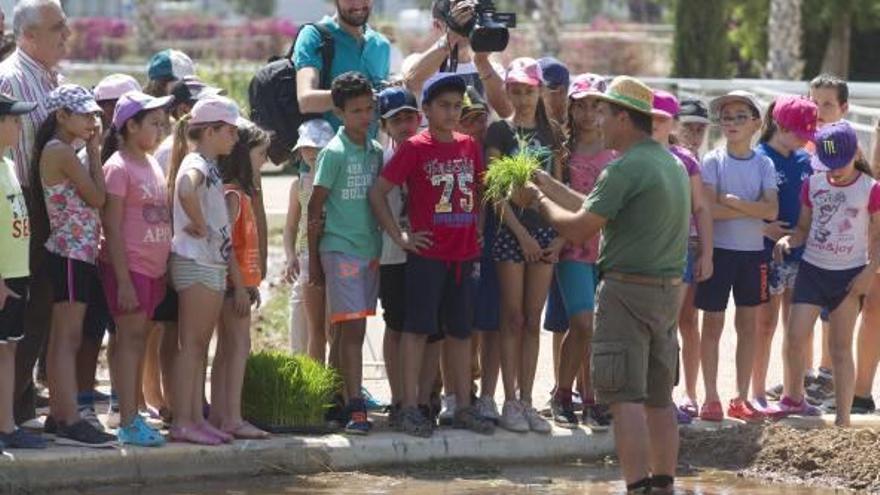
<point>738,119</point>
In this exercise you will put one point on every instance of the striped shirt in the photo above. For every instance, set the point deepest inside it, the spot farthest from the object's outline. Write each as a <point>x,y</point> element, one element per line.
<point>23,78</point>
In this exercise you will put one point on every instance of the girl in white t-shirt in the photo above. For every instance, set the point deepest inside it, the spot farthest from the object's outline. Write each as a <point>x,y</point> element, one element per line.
<point>200,254</point>
<point>839,226</point>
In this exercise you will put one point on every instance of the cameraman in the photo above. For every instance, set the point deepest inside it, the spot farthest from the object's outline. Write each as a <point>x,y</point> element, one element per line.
<point>474,67</point>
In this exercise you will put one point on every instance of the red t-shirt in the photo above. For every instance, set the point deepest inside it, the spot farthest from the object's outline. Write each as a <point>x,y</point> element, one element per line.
<point>444,182</point>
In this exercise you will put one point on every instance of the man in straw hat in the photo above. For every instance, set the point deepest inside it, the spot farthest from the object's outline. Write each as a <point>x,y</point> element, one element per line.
<point>641,204</point>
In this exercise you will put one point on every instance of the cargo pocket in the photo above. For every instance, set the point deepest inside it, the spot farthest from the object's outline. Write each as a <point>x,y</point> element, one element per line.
<point>608,366</point>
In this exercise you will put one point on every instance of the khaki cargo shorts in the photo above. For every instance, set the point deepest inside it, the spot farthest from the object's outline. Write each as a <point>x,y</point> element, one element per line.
<point>635,343</point>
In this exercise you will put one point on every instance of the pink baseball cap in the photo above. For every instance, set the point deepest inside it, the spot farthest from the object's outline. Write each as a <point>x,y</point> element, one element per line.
<point>215,109</point>
<point>524,70</point>
<point>798,115</point>
<point>114,86</point>
<point>133,102</point>
<point>584,85</point>
<point>665,104</point>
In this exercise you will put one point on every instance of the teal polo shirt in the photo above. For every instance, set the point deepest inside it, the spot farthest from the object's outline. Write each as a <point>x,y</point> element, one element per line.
<point>371,56</point>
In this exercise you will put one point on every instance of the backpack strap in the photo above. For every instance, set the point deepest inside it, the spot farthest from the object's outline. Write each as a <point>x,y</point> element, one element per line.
<point>328,50</point>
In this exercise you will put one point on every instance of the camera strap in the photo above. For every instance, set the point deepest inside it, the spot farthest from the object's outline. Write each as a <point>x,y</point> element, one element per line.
<point>451,63</point>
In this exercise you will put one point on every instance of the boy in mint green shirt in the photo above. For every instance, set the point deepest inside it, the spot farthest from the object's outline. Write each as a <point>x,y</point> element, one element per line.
<point>15,233</point>
<point>344,239</point>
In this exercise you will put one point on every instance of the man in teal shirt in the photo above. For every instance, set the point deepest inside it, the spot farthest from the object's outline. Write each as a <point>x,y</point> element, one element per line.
<point>357,47</point>
<point>641,202</point>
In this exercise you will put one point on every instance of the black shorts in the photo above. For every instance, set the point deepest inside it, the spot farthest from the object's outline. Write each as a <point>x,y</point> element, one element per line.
<point>73,280</point>
<point>439,288</point>
<point>392,293</point>
<point>745,272</point>
<point>167,309</point>
<point>823,288</point>
<point>12,314</point>
<point>98,319</point>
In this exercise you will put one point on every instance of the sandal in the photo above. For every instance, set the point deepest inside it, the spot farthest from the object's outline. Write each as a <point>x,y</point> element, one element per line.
<point>193,435</point>
<point>247,431</point>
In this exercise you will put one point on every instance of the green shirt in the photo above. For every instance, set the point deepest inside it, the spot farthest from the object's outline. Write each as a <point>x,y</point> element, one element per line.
<point>645,196</point>
<point>348,170</point>
<point>15,231</point>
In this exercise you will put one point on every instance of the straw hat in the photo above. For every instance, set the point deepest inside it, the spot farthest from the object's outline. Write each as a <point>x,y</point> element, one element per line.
<point>629,92</point>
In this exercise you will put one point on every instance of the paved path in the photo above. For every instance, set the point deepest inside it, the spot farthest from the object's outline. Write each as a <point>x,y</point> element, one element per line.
<point>275,189</point>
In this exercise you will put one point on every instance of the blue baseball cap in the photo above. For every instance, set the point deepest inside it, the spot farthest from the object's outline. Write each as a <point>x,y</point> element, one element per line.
<point>441,81</point>
<point>395,100</point>
<point>170,64</point>
<point>836,145</point>
<point>554,74</point>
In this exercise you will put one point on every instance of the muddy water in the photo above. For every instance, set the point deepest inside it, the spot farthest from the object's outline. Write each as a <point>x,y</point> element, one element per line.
<point>462,478</point>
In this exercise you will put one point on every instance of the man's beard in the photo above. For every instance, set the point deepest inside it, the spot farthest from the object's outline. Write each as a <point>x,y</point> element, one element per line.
<point>351,20</point>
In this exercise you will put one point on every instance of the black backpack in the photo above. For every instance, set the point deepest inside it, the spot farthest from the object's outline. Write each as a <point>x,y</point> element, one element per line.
<point>272,96</point>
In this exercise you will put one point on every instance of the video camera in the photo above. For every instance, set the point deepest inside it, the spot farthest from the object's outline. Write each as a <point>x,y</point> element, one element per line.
<point>488,31</point>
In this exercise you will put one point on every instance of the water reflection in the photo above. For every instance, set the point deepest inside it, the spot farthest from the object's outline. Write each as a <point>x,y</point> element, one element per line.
<point>468,479</point>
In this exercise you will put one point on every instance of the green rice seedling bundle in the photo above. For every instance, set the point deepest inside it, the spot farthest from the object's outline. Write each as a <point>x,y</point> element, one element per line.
<point>287,391</point>
<point>507,173</point>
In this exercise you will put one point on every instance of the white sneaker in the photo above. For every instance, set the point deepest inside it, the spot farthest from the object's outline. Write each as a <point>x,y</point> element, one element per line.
<point>447,409</point>
<point>89,415</point>
<point>513,418</point>
<point>536,422</point>
<point>487,408</point>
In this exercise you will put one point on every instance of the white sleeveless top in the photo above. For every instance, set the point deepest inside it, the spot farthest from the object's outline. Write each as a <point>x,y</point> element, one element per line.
<point>214,249</point>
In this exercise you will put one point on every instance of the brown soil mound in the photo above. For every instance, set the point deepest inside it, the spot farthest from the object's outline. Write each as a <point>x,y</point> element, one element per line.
<point>841,457</point>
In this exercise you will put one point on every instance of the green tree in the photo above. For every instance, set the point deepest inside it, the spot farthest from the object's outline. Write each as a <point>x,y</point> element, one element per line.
<point>701,46</point>
<point>255,8</point>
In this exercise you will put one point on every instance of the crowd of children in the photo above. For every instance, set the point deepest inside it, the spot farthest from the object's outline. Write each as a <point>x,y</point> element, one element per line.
<point>148,204</point>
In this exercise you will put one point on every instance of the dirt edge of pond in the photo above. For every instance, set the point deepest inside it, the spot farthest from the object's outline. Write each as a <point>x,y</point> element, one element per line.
<point>832,457</point>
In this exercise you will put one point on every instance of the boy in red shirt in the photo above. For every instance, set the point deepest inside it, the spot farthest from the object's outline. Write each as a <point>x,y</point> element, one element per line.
<point>442,171</point>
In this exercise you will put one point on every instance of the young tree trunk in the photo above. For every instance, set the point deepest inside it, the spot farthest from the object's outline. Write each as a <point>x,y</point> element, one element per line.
<point>836,59</point>
<point>784,54</point>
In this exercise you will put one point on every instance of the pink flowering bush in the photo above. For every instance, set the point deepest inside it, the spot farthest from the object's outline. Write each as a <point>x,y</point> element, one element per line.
<point>98,37</point>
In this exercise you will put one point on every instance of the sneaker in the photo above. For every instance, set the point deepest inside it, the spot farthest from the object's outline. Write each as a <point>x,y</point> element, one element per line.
<point>562,409</point>
<point>690,407</point>
<point>597,417</point>
<point>33,424</point>
<point>760,404</point>
<point>711,411</point>
<point>447,410</point>
<point>22,439</point>
<point>487,408</point>
<point>138,433</point>
<point>413,422</point>
<point>821,389</point>
<point>83,434</point>
<point>371,402</point>
<point>775,393</point>
<point>467,418</point>
<point>358,424</point>
<point>50,426</point>
<point>861,405</point>
<point>393,416</point>
<point>788,407</point>
<point>742,409</point>
<point>513,417</point>
<point>536,422</point>
<point>87,413</point>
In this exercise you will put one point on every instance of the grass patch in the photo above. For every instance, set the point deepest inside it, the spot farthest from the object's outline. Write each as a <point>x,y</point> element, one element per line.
<point>284,390</point>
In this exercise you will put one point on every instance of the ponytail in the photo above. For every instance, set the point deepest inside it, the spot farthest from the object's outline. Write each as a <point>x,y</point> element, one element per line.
<point>179,150</point>
<point>862,165</point>
<point>36,203</point>
<point>768,130</point>
<point>546,127</point>
<point>111,143</point>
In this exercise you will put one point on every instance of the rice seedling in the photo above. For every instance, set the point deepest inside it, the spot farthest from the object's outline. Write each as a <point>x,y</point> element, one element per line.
<point>287,391</point>
<point>507,173</point>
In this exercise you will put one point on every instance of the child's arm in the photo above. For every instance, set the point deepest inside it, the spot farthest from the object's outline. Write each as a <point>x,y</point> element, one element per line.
<point>718,210</point>
<point>496,94</point>
<point>6,292</point>
<point>291,229</point>
<point>798,238</point>
<point>187,192</point>
<point>862,283</point>
<point>112,216</point>
<point>89,183</point>
<point>241,301</point>
<point>259,208</point>
<point>704,229</point>
<point>378,196</point>
<point>767,208</point>
<point>315,230</point>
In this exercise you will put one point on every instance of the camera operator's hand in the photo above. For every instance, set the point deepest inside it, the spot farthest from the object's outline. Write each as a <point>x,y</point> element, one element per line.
<point>463,11</point>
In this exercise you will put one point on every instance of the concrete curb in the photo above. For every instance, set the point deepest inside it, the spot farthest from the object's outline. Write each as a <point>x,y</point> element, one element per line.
<point>75,467</point>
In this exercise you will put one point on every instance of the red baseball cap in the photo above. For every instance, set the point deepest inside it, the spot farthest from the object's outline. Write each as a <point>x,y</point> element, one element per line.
<point>798,115</point>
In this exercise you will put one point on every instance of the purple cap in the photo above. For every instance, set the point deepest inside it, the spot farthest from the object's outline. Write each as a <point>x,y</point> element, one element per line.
<point>665,104</point>
<point>134,102</point>
<point>836,145</point>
